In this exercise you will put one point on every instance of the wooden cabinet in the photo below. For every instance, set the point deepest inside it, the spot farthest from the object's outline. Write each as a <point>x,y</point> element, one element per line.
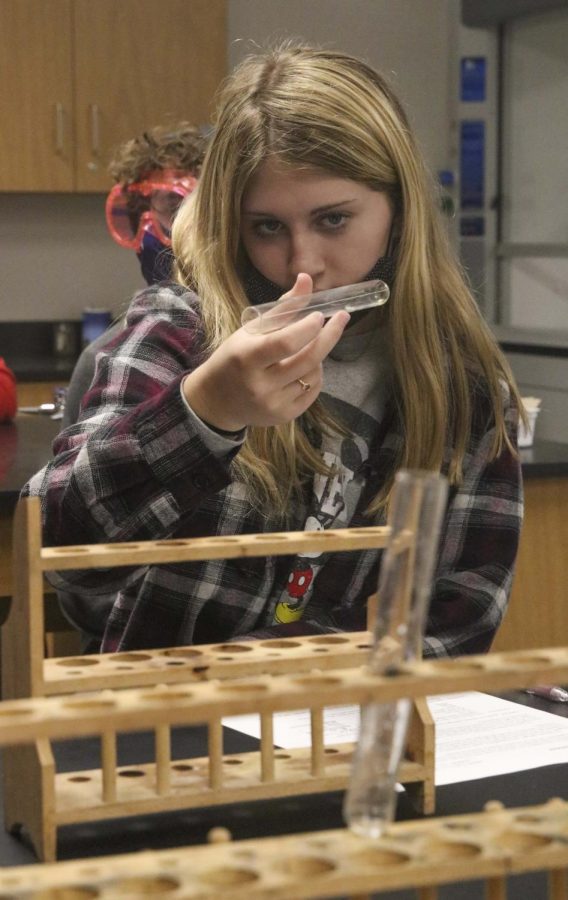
<point>33,393</point>
<point>77,78</point>
<point>36,92</point>
<point>537,615</point>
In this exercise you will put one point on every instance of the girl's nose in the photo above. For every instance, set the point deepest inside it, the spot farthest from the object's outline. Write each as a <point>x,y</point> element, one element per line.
<point>305,256</point>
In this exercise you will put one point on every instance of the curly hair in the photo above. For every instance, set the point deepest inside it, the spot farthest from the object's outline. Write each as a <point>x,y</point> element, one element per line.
<point>181,146</point>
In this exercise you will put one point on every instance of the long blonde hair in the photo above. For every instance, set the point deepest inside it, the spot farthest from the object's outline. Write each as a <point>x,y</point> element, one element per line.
<point>326,110</point>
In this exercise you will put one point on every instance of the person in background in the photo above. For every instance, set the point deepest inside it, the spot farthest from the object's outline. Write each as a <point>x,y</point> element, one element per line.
<point>194,426</point>
<point>153,173</point>
<point>8,395</point>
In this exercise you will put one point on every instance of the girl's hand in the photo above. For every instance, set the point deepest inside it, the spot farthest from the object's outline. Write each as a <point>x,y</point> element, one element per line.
<point>252,379</point>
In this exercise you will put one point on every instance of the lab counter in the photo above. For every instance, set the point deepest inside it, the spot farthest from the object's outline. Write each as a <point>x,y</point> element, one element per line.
<point>545,460</point>
<point>25,447</point>
<point>31,350</point>
<point>42,368</point>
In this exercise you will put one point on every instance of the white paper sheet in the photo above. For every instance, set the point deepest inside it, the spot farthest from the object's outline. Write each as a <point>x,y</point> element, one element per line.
<point>292,729</point>
<point>477,735</point>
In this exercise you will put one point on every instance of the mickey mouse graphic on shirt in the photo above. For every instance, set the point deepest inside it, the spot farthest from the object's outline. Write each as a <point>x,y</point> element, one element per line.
<point>330,503</point>
<point>299,583</point>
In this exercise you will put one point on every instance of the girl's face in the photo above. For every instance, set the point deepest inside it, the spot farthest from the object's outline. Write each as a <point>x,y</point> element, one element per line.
<point>332,228</point>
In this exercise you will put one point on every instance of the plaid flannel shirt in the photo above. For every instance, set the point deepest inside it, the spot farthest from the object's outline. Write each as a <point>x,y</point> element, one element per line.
<point>134,468</point>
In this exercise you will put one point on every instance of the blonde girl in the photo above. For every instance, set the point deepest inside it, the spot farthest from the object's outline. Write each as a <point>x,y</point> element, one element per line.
<point>312,180</point>
<point>324,110</point>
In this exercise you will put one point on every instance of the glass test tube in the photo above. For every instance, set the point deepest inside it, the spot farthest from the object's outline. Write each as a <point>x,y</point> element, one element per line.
<point>405,582</point>
<point>266,317</point>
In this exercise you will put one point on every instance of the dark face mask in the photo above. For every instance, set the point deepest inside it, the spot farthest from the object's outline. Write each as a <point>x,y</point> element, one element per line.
<point>156,260</point>
<point>260,290</point>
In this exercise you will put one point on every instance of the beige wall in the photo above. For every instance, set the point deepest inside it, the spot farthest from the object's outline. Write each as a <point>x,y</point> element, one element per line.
<point>55,254</point>
<point>56,257</point>
<point>409,41</point>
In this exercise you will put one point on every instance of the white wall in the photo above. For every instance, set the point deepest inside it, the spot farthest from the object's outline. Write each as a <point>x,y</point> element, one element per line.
<point>56,257</point>
<point>55,254</point>
<point>547,378</point>
<point>535,289</point>
<point>409,41</point>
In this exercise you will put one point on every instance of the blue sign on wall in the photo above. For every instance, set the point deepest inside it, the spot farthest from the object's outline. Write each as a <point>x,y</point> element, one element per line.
<point>472,164</point>
<point>472,79</point>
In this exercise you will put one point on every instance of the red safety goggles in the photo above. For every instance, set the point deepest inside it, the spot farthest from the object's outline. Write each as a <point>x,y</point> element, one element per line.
<point>148,205</point>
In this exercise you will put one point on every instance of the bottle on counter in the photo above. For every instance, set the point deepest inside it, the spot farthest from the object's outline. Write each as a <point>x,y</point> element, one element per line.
<point>95,322</point>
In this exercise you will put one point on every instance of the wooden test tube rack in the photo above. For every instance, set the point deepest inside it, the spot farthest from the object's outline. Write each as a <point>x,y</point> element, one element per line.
<point>40,800</point>
<point>487,846</point>
<point>106,793</point>
<point>26,672</point>
<point>77,716</point>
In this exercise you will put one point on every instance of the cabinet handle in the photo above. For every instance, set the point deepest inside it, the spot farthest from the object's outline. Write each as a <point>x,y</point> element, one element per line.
<point>59,129</point>
<point>95,129</point>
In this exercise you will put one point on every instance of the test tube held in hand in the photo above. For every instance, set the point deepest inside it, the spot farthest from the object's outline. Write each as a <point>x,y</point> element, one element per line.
<point>266,317</point>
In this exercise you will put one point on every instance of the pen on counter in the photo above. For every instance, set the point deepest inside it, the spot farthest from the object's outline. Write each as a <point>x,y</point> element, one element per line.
<point>549,692</point>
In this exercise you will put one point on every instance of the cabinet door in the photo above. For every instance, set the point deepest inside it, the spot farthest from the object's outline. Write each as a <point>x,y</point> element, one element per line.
<point>36,143</point>
<point>140,63</point>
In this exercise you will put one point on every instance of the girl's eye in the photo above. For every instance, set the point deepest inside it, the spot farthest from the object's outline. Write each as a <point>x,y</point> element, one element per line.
<point>267,227</point>
<point>334,220</point>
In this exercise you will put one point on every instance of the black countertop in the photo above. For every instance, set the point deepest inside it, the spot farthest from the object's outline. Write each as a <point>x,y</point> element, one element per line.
<point>41,368</point>
<point>545,459</point>
<point>25,446</point>
<point>29,349</point>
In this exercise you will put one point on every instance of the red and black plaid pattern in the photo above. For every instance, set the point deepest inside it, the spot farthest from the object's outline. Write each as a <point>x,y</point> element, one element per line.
<point>136,468</point>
